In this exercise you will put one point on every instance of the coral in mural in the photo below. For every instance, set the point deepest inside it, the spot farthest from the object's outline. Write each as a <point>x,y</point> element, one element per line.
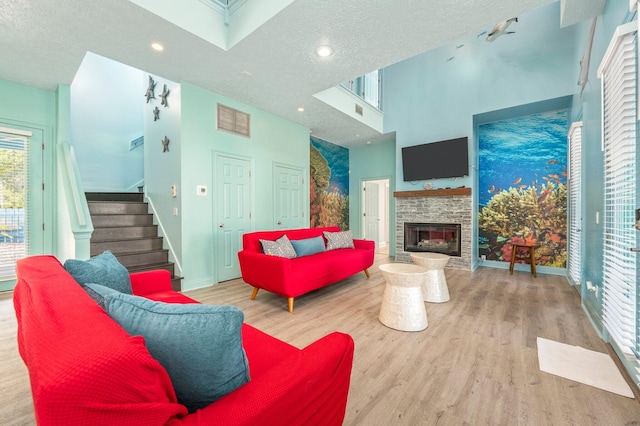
<point>329,206</point>
<point>535,214</point>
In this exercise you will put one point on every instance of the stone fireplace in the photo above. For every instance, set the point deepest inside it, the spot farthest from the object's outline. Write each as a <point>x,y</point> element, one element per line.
<point>444,217</point>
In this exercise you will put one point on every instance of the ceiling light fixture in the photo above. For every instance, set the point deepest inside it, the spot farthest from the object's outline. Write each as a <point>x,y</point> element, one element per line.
<point>324,51</point>
<point>157,46</point>
<point>301,109</point>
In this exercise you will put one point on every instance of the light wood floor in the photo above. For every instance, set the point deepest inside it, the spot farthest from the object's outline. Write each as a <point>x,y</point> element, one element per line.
<point>476,363</point>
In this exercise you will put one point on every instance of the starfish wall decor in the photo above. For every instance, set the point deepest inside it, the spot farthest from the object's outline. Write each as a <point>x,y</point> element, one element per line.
<point>165,144</point>
<point>164,96</point>
<point>150,90</point>
<point>156,114</point>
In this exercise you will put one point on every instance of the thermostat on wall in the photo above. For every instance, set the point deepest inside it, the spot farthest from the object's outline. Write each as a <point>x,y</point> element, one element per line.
<point>201,190</point>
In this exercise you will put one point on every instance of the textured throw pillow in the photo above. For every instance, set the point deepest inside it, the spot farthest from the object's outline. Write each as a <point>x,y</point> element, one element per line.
<point>308,246</point>
<point>99,293</point>
<point>200,346</point>
<point>338,240</point>
<point>103,269</point>
<point>281,247</point>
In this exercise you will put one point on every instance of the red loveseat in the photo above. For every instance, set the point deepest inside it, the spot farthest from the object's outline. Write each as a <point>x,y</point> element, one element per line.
<point>86,370</point>
<point>294,277</point>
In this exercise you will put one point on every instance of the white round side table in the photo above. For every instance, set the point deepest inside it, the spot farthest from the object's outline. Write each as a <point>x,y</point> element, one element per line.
<point>402,305</point>
<point>435,288</point>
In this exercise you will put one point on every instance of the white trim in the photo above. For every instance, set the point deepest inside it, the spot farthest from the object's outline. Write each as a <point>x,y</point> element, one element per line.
<point>165,237</point>
<point>13,131</point>
<point>621,31</point>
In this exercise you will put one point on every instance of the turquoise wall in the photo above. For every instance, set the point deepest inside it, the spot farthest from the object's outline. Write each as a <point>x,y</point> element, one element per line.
<point>371,162</point>
<point>587,108</point>
<point>34,110</point>
<point>273,140</point>
<point>107,103</point>
<point>163,168</point>
<point>427,98</point>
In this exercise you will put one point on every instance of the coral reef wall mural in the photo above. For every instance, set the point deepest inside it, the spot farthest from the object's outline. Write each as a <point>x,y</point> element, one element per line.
<point>329,185</point>
<point>522,187</point>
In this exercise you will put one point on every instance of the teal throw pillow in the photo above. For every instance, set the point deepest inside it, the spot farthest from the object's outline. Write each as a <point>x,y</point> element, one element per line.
<point>200,346</point>
<point>103,269</point>
<point>338,240</point>
<point>99,293</point>
<point>281,247</point>
<point>308,246</point>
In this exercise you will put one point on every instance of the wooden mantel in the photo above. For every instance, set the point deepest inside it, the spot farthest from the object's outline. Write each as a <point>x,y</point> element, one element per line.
<point>433,192</point>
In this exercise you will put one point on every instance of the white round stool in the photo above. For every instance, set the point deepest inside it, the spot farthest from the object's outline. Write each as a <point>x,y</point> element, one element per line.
<point>435,288</point>
<point>402,305</point>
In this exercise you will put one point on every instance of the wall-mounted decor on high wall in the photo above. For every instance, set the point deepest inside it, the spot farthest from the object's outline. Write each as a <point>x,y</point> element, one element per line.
<point>149,94</point>
<point>164,95</point>
<point>329,181</point>
<point>156,114</point>
<point>165,144</point>
<point>522,165</point>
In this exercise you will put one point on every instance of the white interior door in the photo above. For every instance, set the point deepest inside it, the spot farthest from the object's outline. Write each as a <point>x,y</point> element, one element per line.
<point>233,177</point>
<point>288,192</point>
<point>372,212</point>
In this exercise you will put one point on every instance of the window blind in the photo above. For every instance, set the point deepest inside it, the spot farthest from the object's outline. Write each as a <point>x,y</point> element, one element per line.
<point>14,181</point>
<point>575,210</point>
<point>618,75</point>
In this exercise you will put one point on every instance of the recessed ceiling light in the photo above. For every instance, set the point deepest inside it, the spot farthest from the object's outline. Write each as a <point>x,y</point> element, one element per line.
<point>324,51</point>
<point>246,73</point>
<point>301,109</point>
<point>157,46</point>
<point>368,142</point>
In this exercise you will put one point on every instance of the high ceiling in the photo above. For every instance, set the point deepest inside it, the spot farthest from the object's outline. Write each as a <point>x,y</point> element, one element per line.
<point>43,43</point>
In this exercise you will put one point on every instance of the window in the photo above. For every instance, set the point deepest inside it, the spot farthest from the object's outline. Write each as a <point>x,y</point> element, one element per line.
<point>575,212</point>
<point>619,95</point>
<point>14,238</point>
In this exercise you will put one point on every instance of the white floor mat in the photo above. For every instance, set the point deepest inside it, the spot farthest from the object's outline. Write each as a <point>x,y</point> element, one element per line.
<point>582,365</point>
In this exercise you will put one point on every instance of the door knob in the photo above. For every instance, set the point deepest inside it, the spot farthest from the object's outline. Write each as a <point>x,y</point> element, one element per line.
<point>221,225</point>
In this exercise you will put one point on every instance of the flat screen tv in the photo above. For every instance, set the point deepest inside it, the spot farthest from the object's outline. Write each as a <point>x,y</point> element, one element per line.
<point>444,159</point>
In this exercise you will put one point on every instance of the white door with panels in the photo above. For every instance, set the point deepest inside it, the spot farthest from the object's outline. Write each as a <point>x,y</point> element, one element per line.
<point>372,212</point>
<point>288,192</point>
<point>233,212</point>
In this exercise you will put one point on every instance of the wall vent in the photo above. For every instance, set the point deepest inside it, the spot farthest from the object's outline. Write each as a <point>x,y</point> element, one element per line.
<point>233,121</point>
<point>358,109</point>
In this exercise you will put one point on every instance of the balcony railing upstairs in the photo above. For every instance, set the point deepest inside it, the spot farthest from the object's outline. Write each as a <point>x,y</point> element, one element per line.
<point>368,87</point>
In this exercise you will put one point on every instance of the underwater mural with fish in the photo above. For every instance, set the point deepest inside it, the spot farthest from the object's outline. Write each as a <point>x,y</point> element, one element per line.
<point>522,165</point>
<point>329,185</point>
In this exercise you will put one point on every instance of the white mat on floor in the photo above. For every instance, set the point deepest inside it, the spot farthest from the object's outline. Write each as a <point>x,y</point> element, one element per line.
<point>582,365</point>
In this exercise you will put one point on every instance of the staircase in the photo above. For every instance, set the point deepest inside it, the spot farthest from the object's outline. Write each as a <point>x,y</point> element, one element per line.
<point>122,224</point>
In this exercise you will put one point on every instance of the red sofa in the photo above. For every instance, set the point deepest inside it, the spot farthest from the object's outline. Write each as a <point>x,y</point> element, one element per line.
<point>294,277</point>
<point>86,370</point>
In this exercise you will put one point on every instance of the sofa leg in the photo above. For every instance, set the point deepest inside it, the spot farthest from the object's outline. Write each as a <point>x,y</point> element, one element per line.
<point>255,292</point>
<point>290,300</point>
<point>366,272</point>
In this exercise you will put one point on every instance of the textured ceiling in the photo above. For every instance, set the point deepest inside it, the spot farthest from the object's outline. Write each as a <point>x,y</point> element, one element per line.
<point>43,43</point>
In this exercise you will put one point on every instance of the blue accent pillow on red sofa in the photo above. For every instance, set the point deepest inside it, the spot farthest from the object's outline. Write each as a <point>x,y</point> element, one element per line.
<point>308,246</point>
<point>103,269</point>
<point>200,346</point>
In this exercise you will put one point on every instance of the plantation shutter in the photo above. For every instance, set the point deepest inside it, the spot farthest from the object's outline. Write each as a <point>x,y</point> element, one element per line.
<point>619,96</point>
<point>14,181</point>
<point>575,210</point>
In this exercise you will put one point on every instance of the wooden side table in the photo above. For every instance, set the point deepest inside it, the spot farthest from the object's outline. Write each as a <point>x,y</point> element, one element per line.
<point>529,255</point>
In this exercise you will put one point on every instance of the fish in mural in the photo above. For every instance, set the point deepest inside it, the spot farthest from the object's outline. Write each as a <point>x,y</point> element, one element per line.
<point>517,181</point>
<point>500,29</point>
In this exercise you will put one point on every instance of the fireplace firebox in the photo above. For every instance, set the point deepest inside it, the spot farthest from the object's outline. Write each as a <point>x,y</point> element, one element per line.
<point>433,237</point>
